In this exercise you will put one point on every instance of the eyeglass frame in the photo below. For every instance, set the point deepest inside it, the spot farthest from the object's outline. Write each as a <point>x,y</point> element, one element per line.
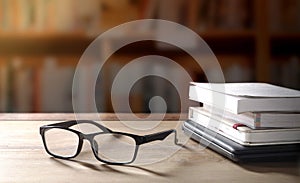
<point>139,140</point>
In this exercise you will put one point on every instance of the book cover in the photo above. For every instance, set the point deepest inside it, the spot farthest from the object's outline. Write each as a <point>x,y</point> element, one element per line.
<point>246,97</point>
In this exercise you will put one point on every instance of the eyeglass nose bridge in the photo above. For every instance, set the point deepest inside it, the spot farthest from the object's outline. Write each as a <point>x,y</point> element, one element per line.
<point>90,139</point>
<point>95,146</point>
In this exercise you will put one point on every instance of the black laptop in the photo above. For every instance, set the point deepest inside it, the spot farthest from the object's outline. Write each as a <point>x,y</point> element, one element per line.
<point>238,152</point>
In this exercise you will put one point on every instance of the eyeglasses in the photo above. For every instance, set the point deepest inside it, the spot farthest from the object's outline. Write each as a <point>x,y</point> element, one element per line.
<point>60,141</point>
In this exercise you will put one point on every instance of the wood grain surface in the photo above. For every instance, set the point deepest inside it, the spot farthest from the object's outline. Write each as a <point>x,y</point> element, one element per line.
<point>23,159</point>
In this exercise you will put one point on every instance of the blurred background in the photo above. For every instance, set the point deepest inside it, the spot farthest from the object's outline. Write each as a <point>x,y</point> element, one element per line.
<point>41,42</point>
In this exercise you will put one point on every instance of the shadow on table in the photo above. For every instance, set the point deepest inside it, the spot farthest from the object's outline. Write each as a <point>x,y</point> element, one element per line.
<point>289,167</point>
<point>110,168</point>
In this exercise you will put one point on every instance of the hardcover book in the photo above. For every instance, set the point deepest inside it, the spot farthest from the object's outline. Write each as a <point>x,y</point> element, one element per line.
<point>238,152</point>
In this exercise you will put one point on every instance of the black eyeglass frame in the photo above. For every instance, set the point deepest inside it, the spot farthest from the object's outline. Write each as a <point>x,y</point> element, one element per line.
<point>139,140</point>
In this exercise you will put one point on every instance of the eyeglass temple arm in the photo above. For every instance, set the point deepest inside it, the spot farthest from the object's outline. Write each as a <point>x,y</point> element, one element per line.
<point>70,123</point>
<point>159,136</point>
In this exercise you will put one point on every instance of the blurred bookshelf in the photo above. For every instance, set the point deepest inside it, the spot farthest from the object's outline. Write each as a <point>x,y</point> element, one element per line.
<point>43,43</point>
<point>253,41</point>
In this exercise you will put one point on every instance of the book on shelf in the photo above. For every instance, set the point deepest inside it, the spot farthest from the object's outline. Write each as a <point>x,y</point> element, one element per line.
<point>256,119</point>
<point>21,85</point>
<point>50,15</point>
<point>241,133</point>
<point>56,86</point>
<point>232,14</point>
<point>29,85</point>
<point>284,15</point>
<point>246,97</point>
<point>45,84</point>
<point>3,84</point>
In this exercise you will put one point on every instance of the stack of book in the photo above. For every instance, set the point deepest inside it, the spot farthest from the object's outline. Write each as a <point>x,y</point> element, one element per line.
<point>246,121</point>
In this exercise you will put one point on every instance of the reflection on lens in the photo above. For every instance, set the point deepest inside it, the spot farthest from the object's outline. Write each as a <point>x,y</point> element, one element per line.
<point>61,142</point>
<point>115,148</point>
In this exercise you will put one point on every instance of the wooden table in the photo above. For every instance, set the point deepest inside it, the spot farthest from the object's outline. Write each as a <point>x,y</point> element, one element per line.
<point>23,159</point>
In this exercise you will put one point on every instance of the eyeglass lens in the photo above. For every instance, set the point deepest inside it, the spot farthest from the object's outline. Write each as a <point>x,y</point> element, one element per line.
<point>61,142</point>
<point>110,147</point>
<point>116,148</point>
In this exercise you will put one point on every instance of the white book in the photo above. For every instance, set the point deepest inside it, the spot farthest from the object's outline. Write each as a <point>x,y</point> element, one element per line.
<point>257,120</point>
<point>243,134</point>
<point>246,97</point>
